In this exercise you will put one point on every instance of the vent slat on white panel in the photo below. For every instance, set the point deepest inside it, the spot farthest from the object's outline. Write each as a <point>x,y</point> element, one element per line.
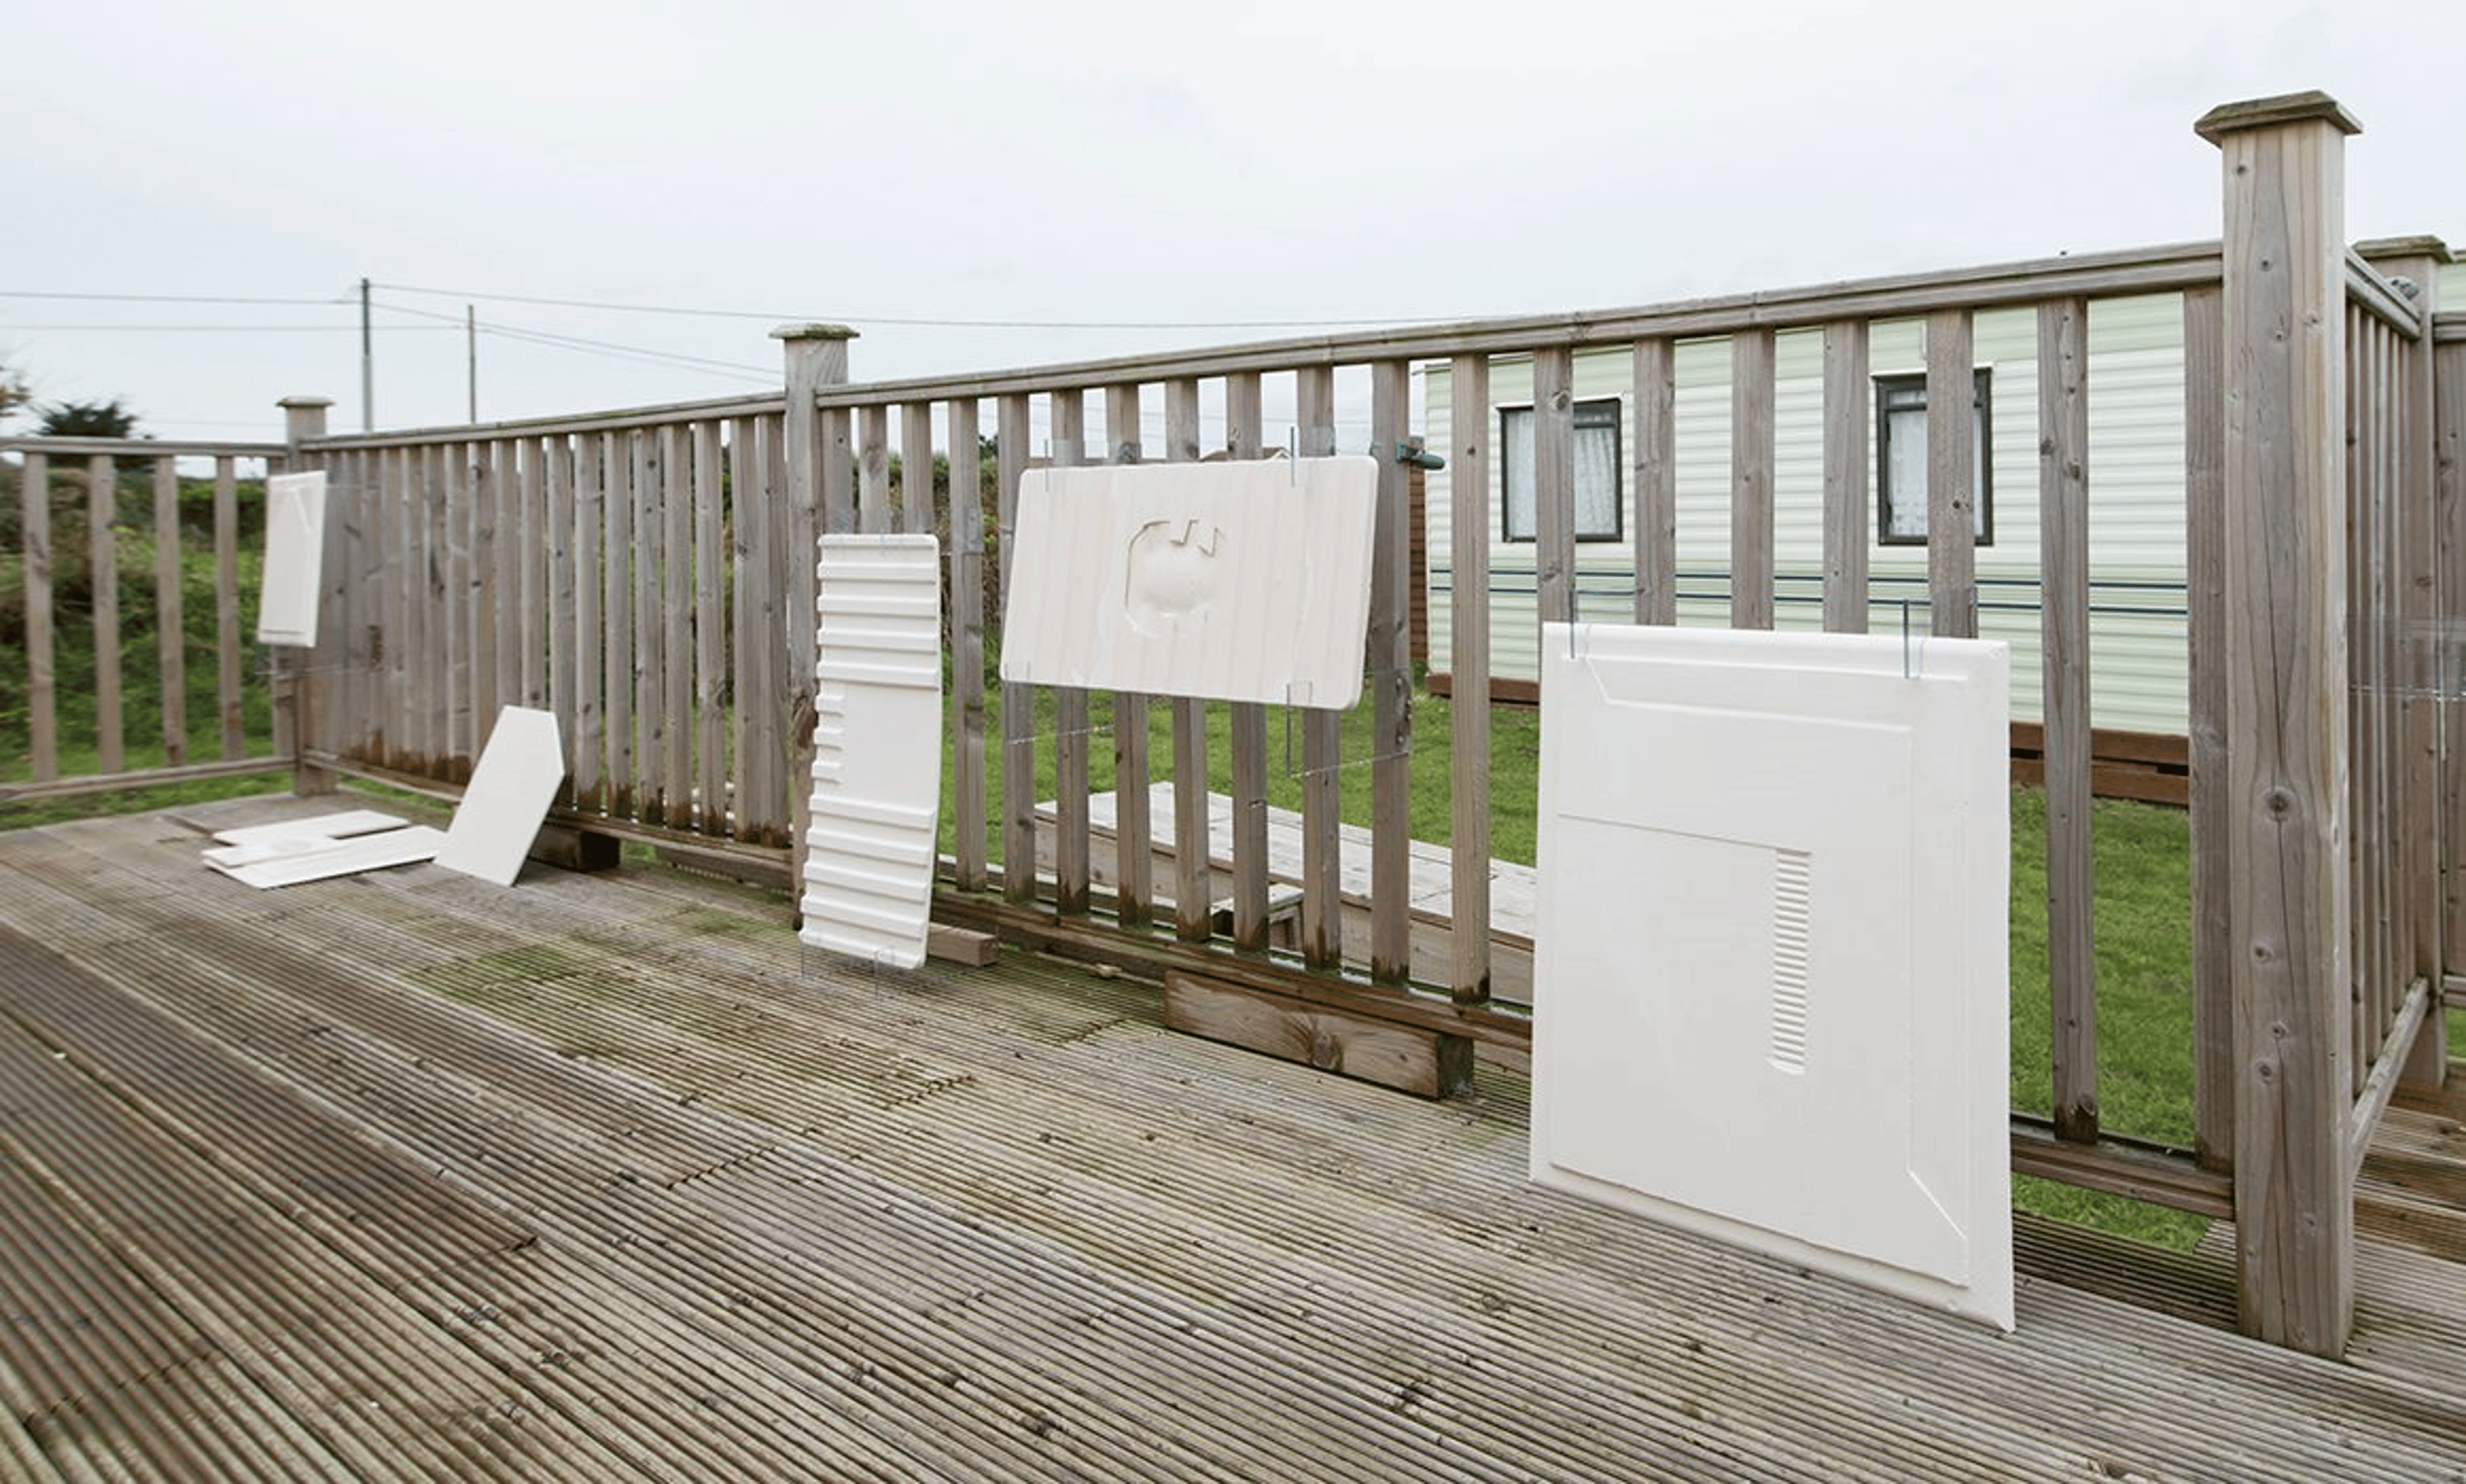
<point>1770,957</point>
<point>1241,581</point>
<point>877,775</point>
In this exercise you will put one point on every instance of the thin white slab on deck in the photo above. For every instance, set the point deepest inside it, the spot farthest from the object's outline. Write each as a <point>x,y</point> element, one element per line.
<point>876,785</point>
<point>511,787</point>
<point>1240,582</point>
<point>349,857</point>
<point>295,555</point>
<point>1771,981</point>
<point>339,825</point>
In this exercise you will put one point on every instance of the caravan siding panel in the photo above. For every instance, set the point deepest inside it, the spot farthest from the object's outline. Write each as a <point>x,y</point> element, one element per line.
<point>2136,475</point>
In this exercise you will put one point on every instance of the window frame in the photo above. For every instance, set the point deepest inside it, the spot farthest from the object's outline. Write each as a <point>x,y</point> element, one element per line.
<point>1982,425</point>
<point>1617,426</point>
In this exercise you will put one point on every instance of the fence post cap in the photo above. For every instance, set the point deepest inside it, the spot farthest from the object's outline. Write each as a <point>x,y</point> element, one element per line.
<point>2259,113</point>
<point>814,332</point>
<point>305,401</point>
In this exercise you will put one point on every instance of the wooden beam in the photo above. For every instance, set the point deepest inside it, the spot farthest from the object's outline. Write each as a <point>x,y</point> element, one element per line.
<point>1656,482</point>
<point>1322,922</point>
<point>1392,585</point>
<point>1406,1058</point>
<point>1245,413</point>
<point>1017,700</point>
<point>967,558</point>
<point>1751,480</point>
<point>2063,546</point>
<point>1952,473</point>
<point>1847,528</point>
<point>1068,414</point>
<point>2205,562</point>
<point>1133,835</point>
<point>1469,523</point>
<point>2285,655</point>
<point>1192,919</point>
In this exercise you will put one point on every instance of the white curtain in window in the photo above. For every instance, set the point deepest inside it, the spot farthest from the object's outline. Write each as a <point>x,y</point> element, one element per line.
<point>1595,472</point>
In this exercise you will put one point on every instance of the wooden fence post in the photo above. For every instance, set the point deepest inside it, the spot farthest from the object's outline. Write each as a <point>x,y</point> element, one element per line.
<point>2285,655</point>
<point>818,357</point>
<point>300,693</point>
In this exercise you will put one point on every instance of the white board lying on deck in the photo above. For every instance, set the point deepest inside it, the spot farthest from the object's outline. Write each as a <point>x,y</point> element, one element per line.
<point>511,787</point>
<point>295,558</point>
<point>339,825</point>
<point>877,788</point>
<point>1241,581</point>
<point>300,861</point>
<point>1771,984</point>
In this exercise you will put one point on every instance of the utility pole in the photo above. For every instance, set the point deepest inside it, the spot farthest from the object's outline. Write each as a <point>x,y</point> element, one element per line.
<point>471,349</point>
<point>368,367</point>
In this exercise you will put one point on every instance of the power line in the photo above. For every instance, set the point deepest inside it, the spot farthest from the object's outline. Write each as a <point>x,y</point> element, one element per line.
<point>556,341</point>
<point>166,298</point>
<point>224,330</point>
<point>904,322</point>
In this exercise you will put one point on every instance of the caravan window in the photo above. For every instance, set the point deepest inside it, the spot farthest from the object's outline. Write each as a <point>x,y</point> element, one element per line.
<point>1901,459</point>
<point>1598,507</point>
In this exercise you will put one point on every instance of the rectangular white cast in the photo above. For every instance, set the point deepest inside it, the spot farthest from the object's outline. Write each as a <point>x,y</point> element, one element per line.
<point>870,847</point>
<point>1240,582</point>
<point>1771,972</point>
<point>295,559</point>
<point>300,860</point>
<point>511,787</point>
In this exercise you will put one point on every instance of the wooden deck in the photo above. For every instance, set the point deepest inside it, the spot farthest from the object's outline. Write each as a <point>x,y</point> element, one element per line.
<point>409,1177</point>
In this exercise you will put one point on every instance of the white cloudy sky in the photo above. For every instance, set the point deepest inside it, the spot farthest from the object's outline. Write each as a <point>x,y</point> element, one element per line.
<point>1182,168</point>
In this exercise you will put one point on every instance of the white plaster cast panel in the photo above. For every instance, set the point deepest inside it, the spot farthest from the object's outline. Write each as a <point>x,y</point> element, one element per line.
<point>1771,976</point>
<point>511,787</point>
<point>1241,581</point>
<point>869,880</point>
<point>347,857</point>
<point>295,558</point>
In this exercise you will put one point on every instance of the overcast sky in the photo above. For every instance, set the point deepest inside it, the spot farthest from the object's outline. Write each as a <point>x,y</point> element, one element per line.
<point>1197,171</point>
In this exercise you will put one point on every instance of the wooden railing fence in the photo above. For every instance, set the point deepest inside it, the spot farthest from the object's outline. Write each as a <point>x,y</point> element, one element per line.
<point>649,576</point>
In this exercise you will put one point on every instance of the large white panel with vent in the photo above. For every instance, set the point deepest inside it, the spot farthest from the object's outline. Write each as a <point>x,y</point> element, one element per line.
<point>295,558</point>
<point>877,788</point>
<point>1245,581</point>
<point>1770,964</point>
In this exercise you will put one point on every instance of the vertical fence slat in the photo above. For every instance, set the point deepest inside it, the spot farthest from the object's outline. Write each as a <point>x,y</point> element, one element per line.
<point>397,520</point>
<point>532,638</point>
<point>873,469</point>
<point>373,637</point>
<point>170,627</point>
<point>1245,417</point>
<point>1011,438</point>
<point>1390,662</point>
<point>1846,532</point>
<point>916,468</point>
<point>1468,556</point>
<point>489,477</point>
<point>2064,547</point>
<point>1194,879</point>
<point>710,635</point>
<point>651,779</point>
<point>2418,720</point>
<point>590,558</point>
<point>1553,484</point>
<point>1068,414</point>
<point>2284,260</point>
<point>454,543</point>
<point>1951,493</point>
<point>1133,839</point>
<point>617,617</point>
<point>230,707</point>
<point>563,670</point>
<point>1751,480</point>
<point>1656,482</point>
<point>2441,668</point>
<point>1322,922</point>
<point>676,691</point>
<point>967,607</point>
<point>42,697</point>
<point>753,510</point>
<point>2205,565</point>
<point>2360,844</point>
<point>102,566</point>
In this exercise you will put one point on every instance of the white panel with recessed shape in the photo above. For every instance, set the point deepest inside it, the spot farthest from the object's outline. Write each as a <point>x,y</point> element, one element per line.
<point>307,861</point>
<point>511,787</point>
<point>1237,581</point>
<point>870,847</point>
<point>339,825</point>
<point>1771,984</point>
<point>295,558</point>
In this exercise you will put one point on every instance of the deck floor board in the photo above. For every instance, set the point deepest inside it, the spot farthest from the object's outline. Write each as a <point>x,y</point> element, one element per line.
<point>604,1176</point>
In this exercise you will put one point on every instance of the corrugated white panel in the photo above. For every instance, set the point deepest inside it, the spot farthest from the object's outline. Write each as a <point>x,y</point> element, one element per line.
<point>869,887</point>
<point>1244,581</point>
<point>511,787</point>
<point>295,555</point>
<point>1771,993</point>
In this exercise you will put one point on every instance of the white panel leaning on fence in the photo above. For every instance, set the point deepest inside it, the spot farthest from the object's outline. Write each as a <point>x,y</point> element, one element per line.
<point>1771,972</point>
<point>1243,581</point>
<point>877,786</point>
<point>295,555</point>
